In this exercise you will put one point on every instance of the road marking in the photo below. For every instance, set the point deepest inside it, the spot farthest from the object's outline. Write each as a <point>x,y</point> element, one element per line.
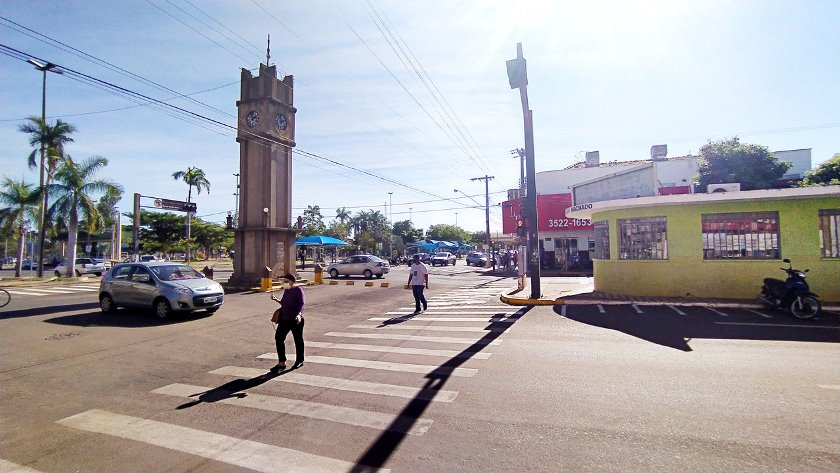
<point>601,309</point>
<point>44,292</point>
<point>9,467</point>
<point>22,293</point>
<point>677,310</point>
<point>637,308</point>
<point>401,350</point>
<point>827,386</point>
<point>440,306</point>
<point>415,338</point>
<point>563,310</point>
<point>231,450</point>
<point>381,365</point>
<point>432,312</point>
<point>717,311</point>
<point>82,288</point>
<point>393,390</point>
<point>760,313</point>
<point>489,318</point>
<point>300,408</point>
<point>432,328</point>
<point>779,325</point>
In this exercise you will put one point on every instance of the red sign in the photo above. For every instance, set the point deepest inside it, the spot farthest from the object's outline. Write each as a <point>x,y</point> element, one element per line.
<point>551,215</point>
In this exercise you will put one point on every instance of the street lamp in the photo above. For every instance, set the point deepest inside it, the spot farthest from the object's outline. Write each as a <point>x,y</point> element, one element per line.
<point>42,211</point>
<point>391,203</point>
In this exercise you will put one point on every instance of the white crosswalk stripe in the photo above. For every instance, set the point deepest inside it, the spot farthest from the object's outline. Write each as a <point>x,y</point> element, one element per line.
<point>243,453</point>
<point>440,312</point>
<point>414,338</point>
<point>309,409</point>
<point>431,328</point>
<point>380,365</point>
<point>342,384</point>
<point>461,306</point>
<point>25,293</point>
<point>49,291</point>
<point>497,318</point>
<point>400,350</point>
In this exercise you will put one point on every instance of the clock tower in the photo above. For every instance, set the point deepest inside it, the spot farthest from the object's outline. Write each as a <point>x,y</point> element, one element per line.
<point>266,136</point>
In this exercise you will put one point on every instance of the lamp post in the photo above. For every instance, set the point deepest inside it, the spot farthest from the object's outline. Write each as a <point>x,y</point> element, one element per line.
<point>391,203</point>
<point>42,211</point>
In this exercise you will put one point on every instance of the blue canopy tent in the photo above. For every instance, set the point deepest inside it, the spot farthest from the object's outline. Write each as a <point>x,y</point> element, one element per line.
<point>319,240</point>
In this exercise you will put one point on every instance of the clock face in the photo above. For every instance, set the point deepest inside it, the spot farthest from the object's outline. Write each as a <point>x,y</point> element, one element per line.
<point>252,119</point>
<point>280,121</point>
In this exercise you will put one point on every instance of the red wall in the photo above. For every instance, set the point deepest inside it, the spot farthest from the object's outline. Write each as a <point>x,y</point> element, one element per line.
<point>551,212</point>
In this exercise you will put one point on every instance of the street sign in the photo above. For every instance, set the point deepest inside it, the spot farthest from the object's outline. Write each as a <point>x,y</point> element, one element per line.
<point>179,205</point>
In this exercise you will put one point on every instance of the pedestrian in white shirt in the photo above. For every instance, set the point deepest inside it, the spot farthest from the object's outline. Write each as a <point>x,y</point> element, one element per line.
<point>418,278</point>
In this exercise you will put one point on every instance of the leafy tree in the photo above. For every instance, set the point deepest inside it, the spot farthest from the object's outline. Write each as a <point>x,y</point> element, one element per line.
<point>338,230</point>
<point>370,228</point>
<point>74,184</point>
<point>479,237</point>
<point>313,221</point>
<point>826,174</point>
<point>211,236</point>
<point>753,166</point>
<point>406,232</point>
<point>447,233</point>
<point>20,200</point>
<point>160,231</point>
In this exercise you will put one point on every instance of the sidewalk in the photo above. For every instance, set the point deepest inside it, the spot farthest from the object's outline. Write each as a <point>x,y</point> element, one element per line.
<point>560,291</point>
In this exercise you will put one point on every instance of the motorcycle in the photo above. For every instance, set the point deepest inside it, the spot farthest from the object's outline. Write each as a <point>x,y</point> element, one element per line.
<point>792,293</point>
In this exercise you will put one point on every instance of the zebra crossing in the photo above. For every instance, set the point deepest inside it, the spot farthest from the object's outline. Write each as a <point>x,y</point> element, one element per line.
<point>398,332</point>
<point>53,290</point>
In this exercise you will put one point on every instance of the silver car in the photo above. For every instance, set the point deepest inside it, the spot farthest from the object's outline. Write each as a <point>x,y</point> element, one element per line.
<point>360,265</point>
<point>163,286</point>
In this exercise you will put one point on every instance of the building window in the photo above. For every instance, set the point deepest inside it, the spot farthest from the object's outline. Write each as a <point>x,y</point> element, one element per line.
<point>749,235</point>
<point>830,233</point>
<point>643,238</point>
<point>602,239</point>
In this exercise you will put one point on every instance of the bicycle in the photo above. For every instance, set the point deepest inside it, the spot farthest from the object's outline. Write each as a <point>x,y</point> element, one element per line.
<point>5,297</point>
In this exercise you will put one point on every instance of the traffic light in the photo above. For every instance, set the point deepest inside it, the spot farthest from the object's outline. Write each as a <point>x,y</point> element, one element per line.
<point>521,230</point>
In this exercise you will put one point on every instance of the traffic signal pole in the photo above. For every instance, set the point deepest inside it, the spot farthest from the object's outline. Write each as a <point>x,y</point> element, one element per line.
<point>518,78</point>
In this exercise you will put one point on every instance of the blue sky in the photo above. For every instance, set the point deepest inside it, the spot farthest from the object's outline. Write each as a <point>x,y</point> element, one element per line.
<point>616,77</point>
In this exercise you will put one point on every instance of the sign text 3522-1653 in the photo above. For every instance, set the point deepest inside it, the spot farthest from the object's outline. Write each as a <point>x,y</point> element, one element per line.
<point>569,222</point>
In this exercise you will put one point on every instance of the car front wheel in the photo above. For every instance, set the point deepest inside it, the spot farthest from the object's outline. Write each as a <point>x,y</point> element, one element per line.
<point>368,274</point>
<point>162,308</point>
<point>333,273</point>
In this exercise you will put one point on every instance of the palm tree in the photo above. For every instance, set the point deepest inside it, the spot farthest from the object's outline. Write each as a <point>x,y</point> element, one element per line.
<point>342,215</point>
<point>50,141</point>
<point>20,199</point>
<point>194,177</point>
<point>73,187</point>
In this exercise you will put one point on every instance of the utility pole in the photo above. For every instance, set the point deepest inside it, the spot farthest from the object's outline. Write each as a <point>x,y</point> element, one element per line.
<point>486,180</point>
<point>518,77</point>
<point>520,153</point>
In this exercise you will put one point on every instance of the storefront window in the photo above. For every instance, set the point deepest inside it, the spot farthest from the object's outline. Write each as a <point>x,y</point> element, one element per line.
<point>643,238</point>
<point>750,235</point>
<point>602,240</point>
<point>830,233</point>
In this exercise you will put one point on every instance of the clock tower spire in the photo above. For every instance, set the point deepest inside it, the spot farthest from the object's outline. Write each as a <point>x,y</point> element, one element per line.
<point>266,135</point>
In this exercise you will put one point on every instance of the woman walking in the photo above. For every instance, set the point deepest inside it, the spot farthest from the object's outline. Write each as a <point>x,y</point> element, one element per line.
<point>290,320</point>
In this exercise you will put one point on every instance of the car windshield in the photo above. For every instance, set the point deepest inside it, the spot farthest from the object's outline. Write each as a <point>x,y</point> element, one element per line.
<point>175,272</point>
<point>442,255</point>
<point>377,259</point>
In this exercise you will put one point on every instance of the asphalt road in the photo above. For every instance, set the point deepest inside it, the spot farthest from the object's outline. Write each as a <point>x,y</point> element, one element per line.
<point>470,385</point>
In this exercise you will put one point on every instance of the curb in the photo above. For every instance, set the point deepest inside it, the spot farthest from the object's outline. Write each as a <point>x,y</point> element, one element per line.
<point>515,301</point>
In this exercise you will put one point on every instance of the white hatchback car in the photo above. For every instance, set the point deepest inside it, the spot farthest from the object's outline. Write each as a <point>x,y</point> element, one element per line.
<point>83,266</point>
<point>359,265</point>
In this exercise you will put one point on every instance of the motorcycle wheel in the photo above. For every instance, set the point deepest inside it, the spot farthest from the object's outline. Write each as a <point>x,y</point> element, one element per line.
<point>805,307</point>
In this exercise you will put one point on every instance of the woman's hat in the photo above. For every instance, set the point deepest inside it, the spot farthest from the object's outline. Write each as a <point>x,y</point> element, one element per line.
<point>290,277</point>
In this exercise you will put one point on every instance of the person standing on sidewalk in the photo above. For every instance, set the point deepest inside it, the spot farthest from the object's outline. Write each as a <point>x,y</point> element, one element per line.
<point>418,278</point>
<point>291,320</point>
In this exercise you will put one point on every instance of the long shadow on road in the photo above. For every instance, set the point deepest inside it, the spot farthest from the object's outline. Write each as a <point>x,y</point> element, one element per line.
<point>378,453</point>
<point>676,331</point>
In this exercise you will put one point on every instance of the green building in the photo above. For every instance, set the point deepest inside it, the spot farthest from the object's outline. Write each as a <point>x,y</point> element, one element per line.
<point>715,245</point>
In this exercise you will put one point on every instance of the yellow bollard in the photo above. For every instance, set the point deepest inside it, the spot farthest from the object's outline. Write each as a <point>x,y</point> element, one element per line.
<point>265,284</point>
<point>319,274</point>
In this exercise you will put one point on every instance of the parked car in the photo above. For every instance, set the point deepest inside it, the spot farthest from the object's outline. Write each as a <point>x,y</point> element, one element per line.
<point>9,260</point>
<point>359,265</point>
<point>443,258</point>
<point>28,264</point>
<point>476,258</point>
<point>105,262</point>
<point>163,286</point>
<point>82,266</point>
